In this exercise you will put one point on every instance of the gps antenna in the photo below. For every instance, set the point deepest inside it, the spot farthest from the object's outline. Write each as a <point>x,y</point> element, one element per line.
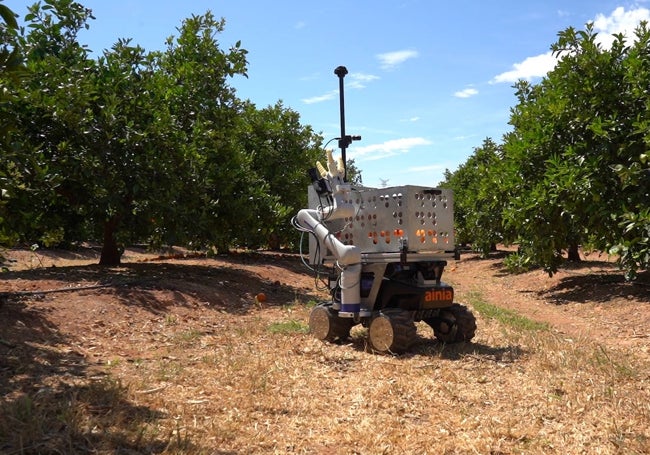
<point>341,71</point>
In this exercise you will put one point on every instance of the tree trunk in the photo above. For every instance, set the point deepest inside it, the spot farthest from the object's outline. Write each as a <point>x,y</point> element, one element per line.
<point>574,254</point>
<point>111,254</point>
<point>274,242</point>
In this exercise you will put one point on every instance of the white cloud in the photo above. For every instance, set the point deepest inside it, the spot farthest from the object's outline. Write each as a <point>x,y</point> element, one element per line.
<point>619,21</point>
<point>411,119</point>
<point>390,60</point>
<point>321,98</point>
<point>358,80</point>
<point>466,93</point>
<point>530,68</point>
<point>388,148</point>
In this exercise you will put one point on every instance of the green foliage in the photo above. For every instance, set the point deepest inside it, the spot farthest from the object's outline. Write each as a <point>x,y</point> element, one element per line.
<point>478,198</point>
<point>207,174</point>
<point>353,173</point>
<point>137,146</point>
<point>518,263</point>
<point>634,246</point>
<point>574,170</point>
<point>10,57</point>
<point>156,146</point>
<point>11,69</point>
<point>43,117</point>
<point>590,107</point>
<point>280,150</point>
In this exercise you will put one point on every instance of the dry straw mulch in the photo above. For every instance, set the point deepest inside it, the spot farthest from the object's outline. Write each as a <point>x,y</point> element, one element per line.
<point>176,356</point>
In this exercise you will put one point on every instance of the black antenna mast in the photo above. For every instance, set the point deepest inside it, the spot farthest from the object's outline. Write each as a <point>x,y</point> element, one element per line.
<point>344,140</point>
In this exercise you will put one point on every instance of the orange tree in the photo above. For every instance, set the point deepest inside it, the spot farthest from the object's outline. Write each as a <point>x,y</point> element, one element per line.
<point>575,169</point>
<point>479,198</point>
<point>211,175</point>
<point>584,121</point>
<point>633,165</point>
<point>52,59</point>
<point>136,146</point>
<point>280,151</point>
<point>124,146</point>
<point>11,67</point>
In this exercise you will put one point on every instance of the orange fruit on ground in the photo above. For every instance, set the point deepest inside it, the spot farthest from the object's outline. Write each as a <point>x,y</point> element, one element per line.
<point>261,297</point>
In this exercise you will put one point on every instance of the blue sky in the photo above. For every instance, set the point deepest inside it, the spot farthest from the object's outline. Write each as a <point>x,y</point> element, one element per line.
<point>428,80</point>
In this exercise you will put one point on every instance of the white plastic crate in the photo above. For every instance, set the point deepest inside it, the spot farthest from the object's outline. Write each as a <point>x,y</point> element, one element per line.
<point>424,216</point>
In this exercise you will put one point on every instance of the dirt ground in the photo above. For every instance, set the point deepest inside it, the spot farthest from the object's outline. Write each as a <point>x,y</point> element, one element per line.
<point>68,294</point>
<point>62,314</point>
<point>590,299</point>
<point>77,297</point>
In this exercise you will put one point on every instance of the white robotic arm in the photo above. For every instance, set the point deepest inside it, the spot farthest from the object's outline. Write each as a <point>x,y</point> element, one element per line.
<point>348,256</point>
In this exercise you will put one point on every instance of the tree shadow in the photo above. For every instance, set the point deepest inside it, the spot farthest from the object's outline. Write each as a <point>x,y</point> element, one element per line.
<point>462,351</point>
<point>476,256</point>
<point>139,284</point>
<point>496,261</point>
<point>598,287</point>
<point>73,254</point>
<point>53,401</point>
<point>223,289</point>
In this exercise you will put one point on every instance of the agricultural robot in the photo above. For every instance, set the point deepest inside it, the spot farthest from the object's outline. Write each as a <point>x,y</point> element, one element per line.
<point>382,252</point>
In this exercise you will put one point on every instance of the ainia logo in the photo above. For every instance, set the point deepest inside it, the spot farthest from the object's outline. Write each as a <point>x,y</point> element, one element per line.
<point>438,295</point>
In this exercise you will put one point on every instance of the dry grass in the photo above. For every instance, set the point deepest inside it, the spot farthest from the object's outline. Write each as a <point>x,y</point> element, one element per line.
<point>237,385</point>
<point>185,377</point>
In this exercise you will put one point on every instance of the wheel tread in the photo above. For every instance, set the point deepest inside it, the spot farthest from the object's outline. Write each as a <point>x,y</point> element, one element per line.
<point>336,327</point>
<point>465,324</point>
<point>404,330</point>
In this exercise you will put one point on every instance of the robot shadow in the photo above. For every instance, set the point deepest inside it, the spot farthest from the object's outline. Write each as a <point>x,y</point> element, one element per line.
<point>465,351</point>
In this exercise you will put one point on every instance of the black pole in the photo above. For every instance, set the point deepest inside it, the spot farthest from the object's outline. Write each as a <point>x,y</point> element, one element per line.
<point>341,71</point>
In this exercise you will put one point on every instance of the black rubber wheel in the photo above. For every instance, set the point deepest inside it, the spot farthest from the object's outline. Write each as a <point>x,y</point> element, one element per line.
<point>454,324</point>
<point>326,325</point>
<point>392,330</point>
